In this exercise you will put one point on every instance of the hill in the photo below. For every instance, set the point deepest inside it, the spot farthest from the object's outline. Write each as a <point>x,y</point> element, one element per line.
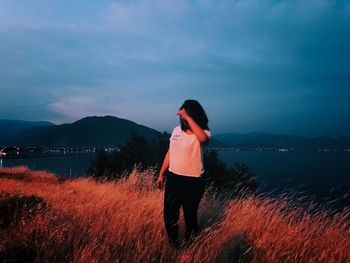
<point>107,131</point>
<point>260,139</point>
<point>51,219</point>
<point>11,127</point>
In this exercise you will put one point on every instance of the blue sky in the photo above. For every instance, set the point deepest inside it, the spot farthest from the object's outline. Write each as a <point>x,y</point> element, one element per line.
<point>272,66</point>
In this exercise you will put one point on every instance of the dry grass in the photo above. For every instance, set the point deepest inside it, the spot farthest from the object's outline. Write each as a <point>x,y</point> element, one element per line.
<point>122,221</point>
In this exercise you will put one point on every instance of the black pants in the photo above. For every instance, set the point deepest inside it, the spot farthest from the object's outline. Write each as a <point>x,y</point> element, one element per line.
<point>182,191</point>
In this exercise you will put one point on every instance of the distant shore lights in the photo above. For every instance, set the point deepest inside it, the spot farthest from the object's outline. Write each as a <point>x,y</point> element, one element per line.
<point>1,155</point>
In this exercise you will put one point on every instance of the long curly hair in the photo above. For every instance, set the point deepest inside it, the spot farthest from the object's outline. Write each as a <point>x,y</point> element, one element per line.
<point>196,111</point>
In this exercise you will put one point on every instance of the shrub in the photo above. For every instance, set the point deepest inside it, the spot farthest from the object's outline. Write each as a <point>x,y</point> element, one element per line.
<point>17,207</point>
<point>150,153</point>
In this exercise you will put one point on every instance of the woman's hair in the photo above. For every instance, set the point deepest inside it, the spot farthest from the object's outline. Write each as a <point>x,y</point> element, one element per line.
<point>196,111</point>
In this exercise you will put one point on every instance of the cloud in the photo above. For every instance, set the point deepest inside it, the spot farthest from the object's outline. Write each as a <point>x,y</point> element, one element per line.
<point>81,103</point>
<point>75,108</point>
<point>132,58</point>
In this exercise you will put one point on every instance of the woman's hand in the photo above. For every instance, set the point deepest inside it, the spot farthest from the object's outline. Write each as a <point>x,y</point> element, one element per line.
<point>160,181</point>
<point>183,113</point>
<point>195,128</point>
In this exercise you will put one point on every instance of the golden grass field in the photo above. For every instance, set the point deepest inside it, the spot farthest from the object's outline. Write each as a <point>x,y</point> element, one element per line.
<point>80,220</point>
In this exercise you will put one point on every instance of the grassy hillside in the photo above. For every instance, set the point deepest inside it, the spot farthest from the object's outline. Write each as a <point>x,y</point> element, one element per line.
<point>45,218</point>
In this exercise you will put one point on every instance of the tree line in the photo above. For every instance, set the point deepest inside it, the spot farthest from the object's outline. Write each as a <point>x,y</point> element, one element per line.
<point>146,153</point>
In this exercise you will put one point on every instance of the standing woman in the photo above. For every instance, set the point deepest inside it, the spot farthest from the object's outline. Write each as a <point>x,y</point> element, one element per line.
<point>184,185</point>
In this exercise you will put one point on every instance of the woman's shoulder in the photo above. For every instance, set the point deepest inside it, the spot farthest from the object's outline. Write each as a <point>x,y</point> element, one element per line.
<point>177,128</point>
<point>175,133</point>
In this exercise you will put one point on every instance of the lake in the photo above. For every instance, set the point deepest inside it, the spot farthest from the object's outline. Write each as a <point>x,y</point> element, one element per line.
<point>322,175</point>
<point>73,165</point>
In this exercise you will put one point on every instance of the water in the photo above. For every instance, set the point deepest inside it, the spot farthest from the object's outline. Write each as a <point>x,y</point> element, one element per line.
<point>322,175</point>
<point>75,165</point>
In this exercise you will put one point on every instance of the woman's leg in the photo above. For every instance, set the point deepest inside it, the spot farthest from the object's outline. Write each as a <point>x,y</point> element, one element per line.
<point>190,207</point>
<point>172,205</point>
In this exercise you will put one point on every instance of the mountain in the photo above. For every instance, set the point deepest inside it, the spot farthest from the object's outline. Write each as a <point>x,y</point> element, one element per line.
<point>111,131</point>
<point>11,127</point>
<point>260,139</point>
<point>107,131</point>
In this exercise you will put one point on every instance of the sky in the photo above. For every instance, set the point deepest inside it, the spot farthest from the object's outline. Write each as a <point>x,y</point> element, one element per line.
<point>280,67</point>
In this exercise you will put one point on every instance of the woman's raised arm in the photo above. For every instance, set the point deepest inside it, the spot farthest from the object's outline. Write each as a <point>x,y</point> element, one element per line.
<point>196,129</point>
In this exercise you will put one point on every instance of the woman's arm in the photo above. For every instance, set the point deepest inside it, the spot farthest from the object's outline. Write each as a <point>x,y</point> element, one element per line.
<point>165,165</point>
<point>196,129</point>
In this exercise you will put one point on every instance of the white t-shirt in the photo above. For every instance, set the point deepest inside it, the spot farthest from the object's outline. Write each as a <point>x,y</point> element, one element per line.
<point>185,153</point>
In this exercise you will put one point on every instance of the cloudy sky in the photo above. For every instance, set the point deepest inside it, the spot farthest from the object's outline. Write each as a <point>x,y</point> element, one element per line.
<point>271,66</point>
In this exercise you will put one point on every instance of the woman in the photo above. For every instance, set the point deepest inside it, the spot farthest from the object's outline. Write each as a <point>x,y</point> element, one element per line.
<point>184,160</point>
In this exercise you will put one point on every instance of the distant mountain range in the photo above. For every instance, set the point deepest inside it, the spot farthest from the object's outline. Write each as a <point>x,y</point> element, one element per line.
<point>11,127</point>
<point>260,139</point>
<point>108,131</point>
<point>94,131</point>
